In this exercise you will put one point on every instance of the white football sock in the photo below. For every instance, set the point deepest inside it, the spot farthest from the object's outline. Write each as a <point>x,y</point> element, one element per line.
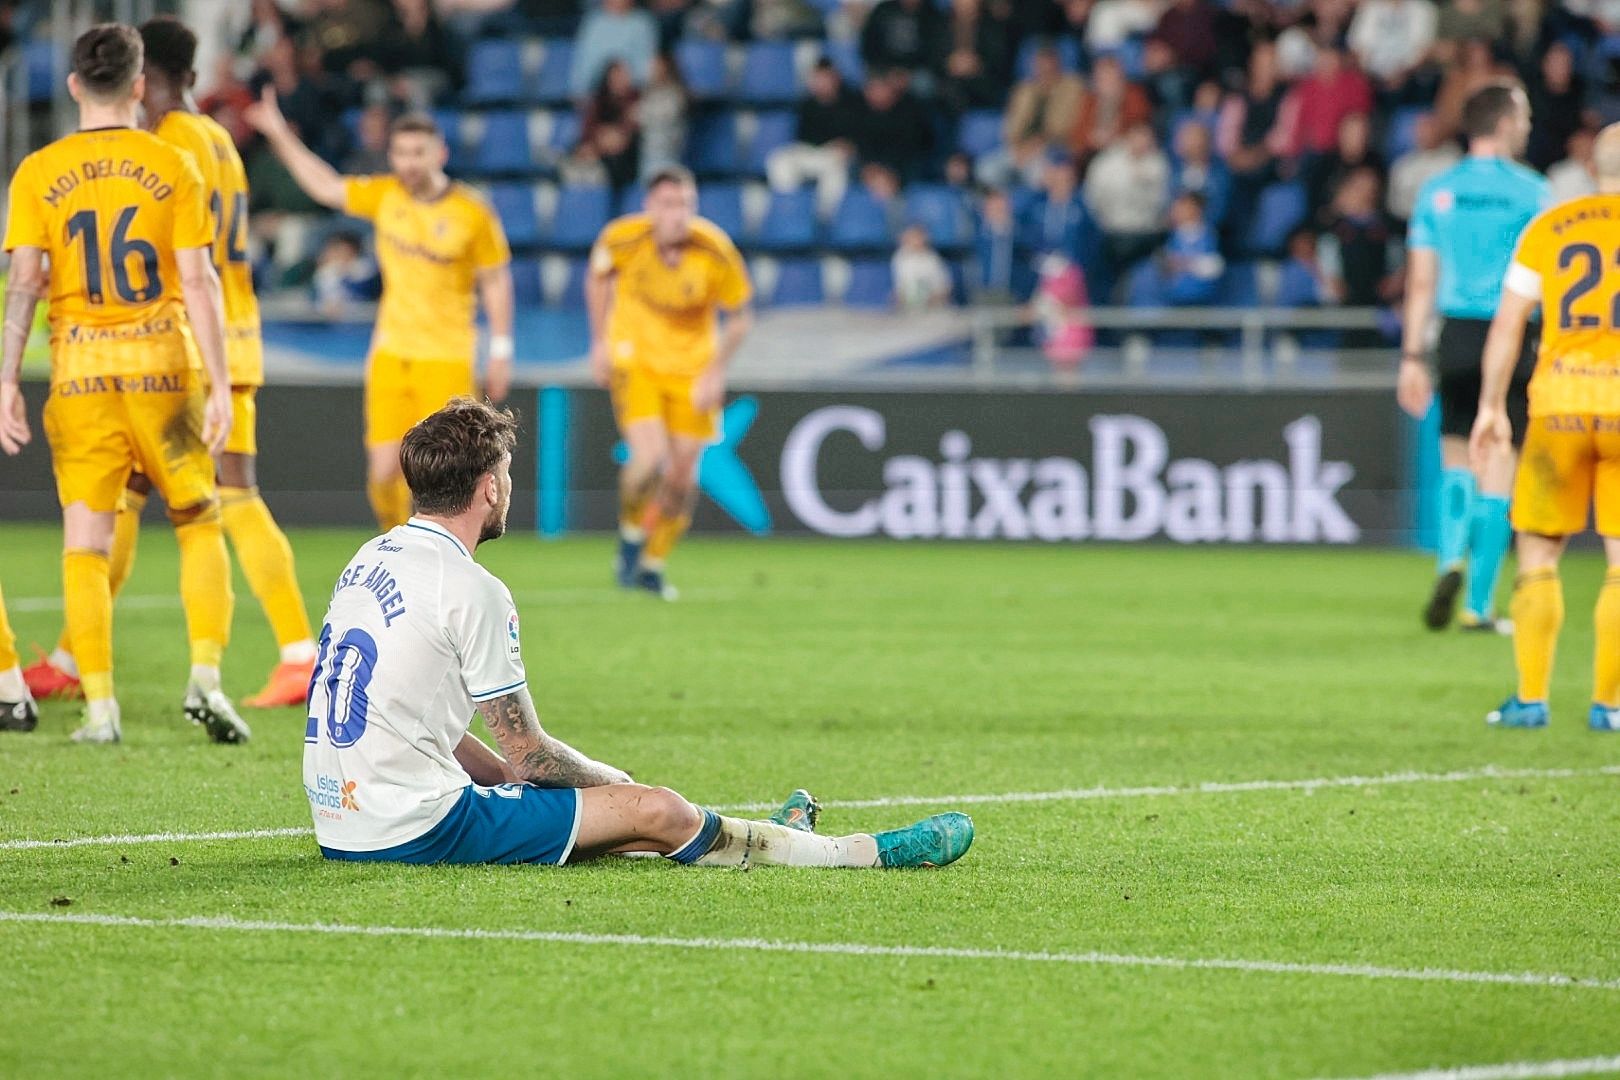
<point>62,660</point>
<point>764,843</point>
<point>12,687</point>
<point>205,677</point>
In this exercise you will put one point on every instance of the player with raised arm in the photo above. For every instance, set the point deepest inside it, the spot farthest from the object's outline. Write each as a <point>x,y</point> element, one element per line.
<point>261,547</point>
<point>1565,264</point>
<point>1458,246</point>
<point>438,244</point>
<point>419,637</point>
<point>122,217</point>
<point>659,283</point>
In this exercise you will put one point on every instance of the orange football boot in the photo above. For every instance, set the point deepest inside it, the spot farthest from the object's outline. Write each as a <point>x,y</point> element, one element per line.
<point>46,680</point>
<point>288,686</point>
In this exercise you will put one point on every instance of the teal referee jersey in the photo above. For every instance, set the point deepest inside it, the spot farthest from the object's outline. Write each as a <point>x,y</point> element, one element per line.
<point>1471,216</point>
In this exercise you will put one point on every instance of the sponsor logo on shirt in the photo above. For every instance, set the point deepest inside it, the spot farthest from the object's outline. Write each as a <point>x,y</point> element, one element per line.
<point>332,795</point>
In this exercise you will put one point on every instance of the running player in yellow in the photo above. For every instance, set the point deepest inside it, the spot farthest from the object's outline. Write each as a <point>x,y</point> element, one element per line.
<point>658,284</point>
<point>122,217</point>
<point>1571,457</point>
<point>261,547</point>
<point>17,709</point>
<point>438,243</point>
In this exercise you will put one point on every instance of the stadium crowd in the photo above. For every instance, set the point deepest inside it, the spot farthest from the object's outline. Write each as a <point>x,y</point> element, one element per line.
<point>1155,149</point>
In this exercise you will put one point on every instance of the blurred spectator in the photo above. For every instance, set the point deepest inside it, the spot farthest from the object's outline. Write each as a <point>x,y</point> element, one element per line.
<point>891,128</point>
<point>662,114</point>
<point>1316,107</point>
<point>1575,175</point>
<point>416,41</point>
<point>1300,280</point>
<point>1195,170</point>
<point>773,20</point>
<point>226,99</point>
<point>922,280</point>
<point>959,171</point>
<point>1188,269</point>
<point>617,30</point>
<point>609,138</point>
<point>1320,24</point>
<point>1473,64</point>
<point>370,155</point>
<point>1126,190</point>
<point>984,50</point>
<point>882,183</point>
<point>1461,20</point>
<point>1353,150</point>
<point>1248,134</point>
<point>1040,114</point>
<point>346,33</point>
<point>343,276</point>
<point>1114,22</point>
<point>1391,38</point>
<point>1061,299</point>
<point>1557,106</point>
<point>823,145</point>
<point>1355,243</point>
<point>911,35</point>
<point>1111,107</point>
<point>995,259</point>
<point>1181,50</point>
<point>1206,106</point>
<point>1429,156</point>
<point>1057,218</point>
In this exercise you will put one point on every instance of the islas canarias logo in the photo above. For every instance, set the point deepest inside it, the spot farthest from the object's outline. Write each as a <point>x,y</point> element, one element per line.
<point>349,802</point>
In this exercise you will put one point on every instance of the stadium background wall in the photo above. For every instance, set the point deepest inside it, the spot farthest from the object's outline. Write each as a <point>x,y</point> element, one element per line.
<point>1206,467</point>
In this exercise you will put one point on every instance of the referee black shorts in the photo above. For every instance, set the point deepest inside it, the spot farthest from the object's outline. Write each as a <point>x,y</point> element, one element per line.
<point>1459,358</point>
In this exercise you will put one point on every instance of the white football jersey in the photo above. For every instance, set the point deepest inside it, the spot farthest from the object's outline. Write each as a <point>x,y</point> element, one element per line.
<point>416,633</point>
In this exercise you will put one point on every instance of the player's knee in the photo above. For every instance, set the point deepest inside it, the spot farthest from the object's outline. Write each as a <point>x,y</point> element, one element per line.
<point>665,814</point>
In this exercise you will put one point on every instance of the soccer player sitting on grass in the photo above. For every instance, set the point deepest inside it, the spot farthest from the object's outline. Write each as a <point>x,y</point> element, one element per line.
<point>419,636</point>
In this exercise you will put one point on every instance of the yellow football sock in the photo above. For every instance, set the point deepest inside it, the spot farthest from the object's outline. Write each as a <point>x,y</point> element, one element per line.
<point>205,586</point>
<point>87,609</point>
<point>8,640</point>
<point>661,539</point>
<point>126,534</point>
<point>633,512</point>
<point>1538,613</point>
<point>1606,661</point>
<point>390,501</point>
<point>267,562</point>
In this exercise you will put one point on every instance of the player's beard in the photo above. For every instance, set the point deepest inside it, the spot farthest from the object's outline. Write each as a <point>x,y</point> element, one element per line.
<point>495,525</point>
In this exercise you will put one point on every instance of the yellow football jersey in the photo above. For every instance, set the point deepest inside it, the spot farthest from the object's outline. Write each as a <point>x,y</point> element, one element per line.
<point>1568,258</point>
<point>430,252</point>
<point>663,316</point>
<point>226,187</point>
<point>110,207</point>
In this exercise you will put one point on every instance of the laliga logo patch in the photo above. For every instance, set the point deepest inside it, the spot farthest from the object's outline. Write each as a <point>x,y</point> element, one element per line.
<point>1444,201</point>
<point>512,645</point>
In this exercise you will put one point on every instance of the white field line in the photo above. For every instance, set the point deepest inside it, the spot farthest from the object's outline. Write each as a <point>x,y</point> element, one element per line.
<point>827,948</point>
<point>1513,1070</point>
<point>1320,783</point>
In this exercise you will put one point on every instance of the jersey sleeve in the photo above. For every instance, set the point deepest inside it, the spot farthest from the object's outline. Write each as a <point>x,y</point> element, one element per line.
<point>603,261</point>
<point>1420,234</point>
<point>489,247</point>
<point>362,195</point>
<point>1523,277</point>
<point>193,224</point>
<point>484,626</point>
<point>733,289</point>
<point>25,225</point>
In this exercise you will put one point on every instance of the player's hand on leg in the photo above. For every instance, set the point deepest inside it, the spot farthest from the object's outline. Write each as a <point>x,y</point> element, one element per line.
<point>1414,388</point>
<point>601,364</point>
<point>14,433</point>
<point>217,419</point>
<point>708,390</point>
<point>1492,431</point>
<point>498,380</point>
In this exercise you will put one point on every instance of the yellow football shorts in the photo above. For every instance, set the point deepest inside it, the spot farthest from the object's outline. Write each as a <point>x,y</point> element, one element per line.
<point>400,392</point>
<point>1570,464</point>
<point>639,394</point>
<point>244,438</point>
<point>101,428</point>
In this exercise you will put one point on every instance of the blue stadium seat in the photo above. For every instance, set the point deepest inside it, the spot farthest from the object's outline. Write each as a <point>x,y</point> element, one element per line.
<point>768,74</point>
<point>503,149</point>
<point>1240,286</point>
<point>723,205</point>
<point>631,199</point>
<point>494,72</point>
<point>40,58</point>
<point>860,222</point>
<point>775,129</point>
<point>979,133</point>
<point>711,143</point>
<point>581,213</point>
<point>514,205</point>
<point>1068,49</point>
<point>940,209</point>
<point>449,121</point>
<point>565,128</point>
<point>703,67</point>
<point>846,57</point>
<point>526,281</point>
<point>871,285</point>
<point>798,284</point>
<point>1401,134</point>
<point>1279,211</point>
<point>551,84</point>
<point>789,222</point>
<point>573,291</point>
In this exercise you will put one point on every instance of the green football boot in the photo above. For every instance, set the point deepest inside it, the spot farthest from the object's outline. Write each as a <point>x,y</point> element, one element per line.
<point>933,841</point>
<point>799,812</point>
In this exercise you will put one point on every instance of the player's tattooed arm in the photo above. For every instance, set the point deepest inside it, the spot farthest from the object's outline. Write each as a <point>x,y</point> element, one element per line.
<point>535,756</point>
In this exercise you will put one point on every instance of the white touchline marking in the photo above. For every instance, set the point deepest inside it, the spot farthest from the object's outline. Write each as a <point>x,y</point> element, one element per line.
<point>1214,787</point>
<point>1513,1070</point>
<point>831,948</point>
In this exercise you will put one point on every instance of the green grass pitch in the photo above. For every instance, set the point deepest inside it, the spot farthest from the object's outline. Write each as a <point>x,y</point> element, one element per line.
<point>864,672</point>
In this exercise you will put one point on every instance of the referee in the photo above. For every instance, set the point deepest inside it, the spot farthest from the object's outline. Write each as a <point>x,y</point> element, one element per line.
<point>1459,243</point>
